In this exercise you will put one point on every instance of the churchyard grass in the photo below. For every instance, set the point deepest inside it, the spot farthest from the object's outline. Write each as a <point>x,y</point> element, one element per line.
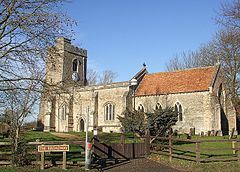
<point>188,149</point>
<point>31,136</point>
<point>109,137</point>
<point>186,165</point>
<point>180,148</point>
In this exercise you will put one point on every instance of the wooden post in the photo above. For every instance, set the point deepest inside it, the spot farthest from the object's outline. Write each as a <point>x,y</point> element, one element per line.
<point>38,155</point>
<point>123,143</point>
<point>238,151</point>
<point>147,142</point>
<point>170,148</point>
<point>197,151</point>
<point>232,133</point>
<point>42,161</point>
<point>170,145</point>
<point>64,160</point>
<point>122,138</point>
<point>233,147</point>
<point>93,145</point>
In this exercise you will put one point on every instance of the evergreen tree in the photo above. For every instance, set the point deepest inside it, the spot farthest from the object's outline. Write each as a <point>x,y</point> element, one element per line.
<point>161,120</point>
<point>133,121</point>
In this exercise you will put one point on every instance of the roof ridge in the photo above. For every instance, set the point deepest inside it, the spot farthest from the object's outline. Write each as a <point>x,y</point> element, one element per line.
<point>189,80</point>
<point>187,69</point>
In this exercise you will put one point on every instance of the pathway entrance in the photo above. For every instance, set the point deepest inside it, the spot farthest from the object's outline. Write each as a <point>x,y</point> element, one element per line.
<point>141,165</point>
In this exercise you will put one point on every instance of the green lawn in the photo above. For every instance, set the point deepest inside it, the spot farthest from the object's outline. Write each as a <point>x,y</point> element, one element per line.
<point>181,148</point>
<point>189,149</point>
<point>185,165</point>
<point>109,137</point>
<point>31,136</point>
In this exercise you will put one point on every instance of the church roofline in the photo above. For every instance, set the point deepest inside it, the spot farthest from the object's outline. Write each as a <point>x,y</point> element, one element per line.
<point>182,70</point>
<point>181,81</point>
<point>103,86</point>
<point>217,69</point>
<point>159,94</point>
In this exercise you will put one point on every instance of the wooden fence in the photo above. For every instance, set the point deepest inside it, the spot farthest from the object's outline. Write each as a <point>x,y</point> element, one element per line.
<point>197,150</point>
<point>52,158</point>
<point>123,151</point>
<point>203,150</point>
<point>117,152</point>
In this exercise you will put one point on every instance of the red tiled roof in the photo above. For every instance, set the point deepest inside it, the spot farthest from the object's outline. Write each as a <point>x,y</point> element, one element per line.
<point>190,80</point>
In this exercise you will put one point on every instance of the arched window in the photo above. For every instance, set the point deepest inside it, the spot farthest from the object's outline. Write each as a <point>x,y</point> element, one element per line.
<point>53,67</point>
<point>75,65</point>
<point>158,107</point>
<point>63,112</point>
<point>141,108</point>
<point>179,110</point>
<point>109,112</point>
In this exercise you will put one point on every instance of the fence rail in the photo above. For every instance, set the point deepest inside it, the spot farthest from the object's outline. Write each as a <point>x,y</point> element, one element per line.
<point>197,149</point>
<point>74,157</point>
<point>194,150</point>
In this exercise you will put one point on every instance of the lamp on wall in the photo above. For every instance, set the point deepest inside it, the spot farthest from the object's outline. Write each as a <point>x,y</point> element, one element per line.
<point>133,84</point>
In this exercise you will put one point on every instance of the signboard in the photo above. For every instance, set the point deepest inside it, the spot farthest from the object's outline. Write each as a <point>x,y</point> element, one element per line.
<point>53,148</point>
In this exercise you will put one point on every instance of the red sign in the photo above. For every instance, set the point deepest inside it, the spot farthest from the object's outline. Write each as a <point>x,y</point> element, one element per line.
<point>53,148</point>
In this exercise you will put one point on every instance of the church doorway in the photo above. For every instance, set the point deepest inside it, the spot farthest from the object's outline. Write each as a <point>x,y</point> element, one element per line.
<point>81,125</point>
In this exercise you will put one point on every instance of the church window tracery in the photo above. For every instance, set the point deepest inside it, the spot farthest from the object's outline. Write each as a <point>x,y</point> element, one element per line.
<point>109,112</point>
<point>141,108</point>
<point>179,110</point>
<point>63,112</point>
<point>158,106</point>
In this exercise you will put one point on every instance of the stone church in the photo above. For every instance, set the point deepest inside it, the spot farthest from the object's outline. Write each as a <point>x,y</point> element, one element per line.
<point>198,95</point>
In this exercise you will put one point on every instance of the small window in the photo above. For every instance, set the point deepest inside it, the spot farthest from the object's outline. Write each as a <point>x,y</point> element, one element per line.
<point>141,108</point>
<point>53,67</point>
<point>179,110</point>
<point>63,112</point>
<point>75,65</point>
<point>109,112</point>
<point>158,107</point>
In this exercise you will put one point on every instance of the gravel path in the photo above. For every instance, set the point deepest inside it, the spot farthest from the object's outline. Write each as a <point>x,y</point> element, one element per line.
<point>141,165</point>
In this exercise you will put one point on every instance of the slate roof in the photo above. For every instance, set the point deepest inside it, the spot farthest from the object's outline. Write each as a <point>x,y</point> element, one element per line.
<point>182,81</point>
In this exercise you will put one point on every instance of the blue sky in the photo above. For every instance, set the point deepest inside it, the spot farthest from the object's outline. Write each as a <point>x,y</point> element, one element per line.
<point>120,35</point>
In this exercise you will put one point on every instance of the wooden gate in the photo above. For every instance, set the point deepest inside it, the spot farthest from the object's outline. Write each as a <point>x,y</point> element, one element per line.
<point>119,150</point>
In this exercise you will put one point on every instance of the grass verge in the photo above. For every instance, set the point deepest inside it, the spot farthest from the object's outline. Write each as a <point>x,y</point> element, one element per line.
<point>185,165</point>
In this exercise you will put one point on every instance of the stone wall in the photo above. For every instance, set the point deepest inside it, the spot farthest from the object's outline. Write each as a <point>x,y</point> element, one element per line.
<point>94,98</point>
<point>221,103</point>
<point>196,109</point>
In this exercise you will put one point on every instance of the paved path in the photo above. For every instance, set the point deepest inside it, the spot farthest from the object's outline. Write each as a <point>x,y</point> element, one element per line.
<point>141,165</point>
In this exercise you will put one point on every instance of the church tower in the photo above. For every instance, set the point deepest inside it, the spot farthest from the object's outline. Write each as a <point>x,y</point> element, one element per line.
<point>66,64</point>
<point>66,67</point>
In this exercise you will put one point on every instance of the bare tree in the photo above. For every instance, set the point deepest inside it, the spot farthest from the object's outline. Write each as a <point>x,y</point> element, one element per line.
<point>92,77</point>
<point>228,47</point>
<point>106,77</point>
<point>27,28</point>
<point>183,61</point>
<point>19,104</point>
<point>229,15</point>
<point>224,48</point>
